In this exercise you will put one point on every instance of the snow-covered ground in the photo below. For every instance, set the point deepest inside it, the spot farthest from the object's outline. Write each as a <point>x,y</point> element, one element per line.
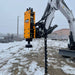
<point>15,59</point>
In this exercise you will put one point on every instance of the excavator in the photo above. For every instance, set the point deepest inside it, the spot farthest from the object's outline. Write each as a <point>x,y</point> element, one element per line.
<point>43,27</point>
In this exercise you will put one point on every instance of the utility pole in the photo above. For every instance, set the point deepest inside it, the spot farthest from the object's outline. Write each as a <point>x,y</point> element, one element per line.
<point>17,26</point>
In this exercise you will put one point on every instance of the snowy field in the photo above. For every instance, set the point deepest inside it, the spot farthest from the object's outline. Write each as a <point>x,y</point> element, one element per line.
<point>15,59</point>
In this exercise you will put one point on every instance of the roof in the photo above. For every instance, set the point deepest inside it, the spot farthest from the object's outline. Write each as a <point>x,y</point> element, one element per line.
<point>62,32</point>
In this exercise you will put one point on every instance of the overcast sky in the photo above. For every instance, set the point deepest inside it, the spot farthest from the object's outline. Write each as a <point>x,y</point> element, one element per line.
<point>10,9</point>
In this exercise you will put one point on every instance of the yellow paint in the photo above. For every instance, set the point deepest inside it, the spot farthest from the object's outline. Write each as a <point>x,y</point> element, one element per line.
<point>63,6</point>
<point>27,32</point>
<point>27,24</point>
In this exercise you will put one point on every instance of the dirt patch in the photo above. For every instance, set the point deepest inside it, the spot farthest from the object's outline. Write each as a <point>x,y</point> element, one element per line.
<point>55,62</point>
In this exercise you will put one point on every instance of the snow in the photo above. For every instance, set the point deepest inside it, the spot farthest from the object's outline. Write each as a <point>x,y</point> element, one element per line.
<point>56,43</point>
<point>34,69</point>
<point>68,69</point>
<point>10,51</point>
<point>14,53</point>
<point>33,66</point>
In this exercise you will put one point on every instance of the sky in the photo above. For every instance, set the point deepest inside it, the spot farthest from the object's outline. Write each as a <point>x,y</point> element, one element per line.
<point>10,9</point>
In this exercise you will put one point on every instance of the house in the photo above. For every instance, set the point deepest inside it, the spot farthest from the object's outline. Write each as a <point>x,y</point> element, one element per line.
<point>61,34</point>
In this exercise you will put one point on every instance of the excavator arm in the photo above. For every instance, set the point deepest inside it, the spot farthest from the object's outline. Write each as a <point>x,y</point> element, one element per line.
<point>70,18</point>
<point>54,5</point>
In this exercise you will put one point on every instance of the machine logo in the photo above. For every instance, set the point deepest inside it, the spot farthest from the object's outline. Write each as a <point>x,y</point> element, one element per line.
<point>27,20</point>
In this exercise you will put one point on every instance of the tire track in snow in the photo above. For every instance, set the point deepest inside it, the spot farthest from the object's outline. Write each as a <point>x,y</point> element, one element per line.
<point>5,61</point>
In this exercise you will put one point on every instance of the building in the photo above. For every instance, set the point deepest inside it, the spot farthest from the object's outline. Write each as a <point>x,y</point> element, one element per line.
<point>61,34</point>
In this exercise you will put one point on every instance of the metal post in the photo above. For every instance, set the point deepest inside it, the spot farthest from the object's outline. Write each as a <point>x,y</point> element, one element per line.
<point>17,26</point>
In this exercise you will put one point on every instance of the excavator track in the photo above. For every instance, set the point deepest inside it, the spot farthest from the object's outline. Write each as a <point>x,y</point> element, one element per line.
<point>67,52</point>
